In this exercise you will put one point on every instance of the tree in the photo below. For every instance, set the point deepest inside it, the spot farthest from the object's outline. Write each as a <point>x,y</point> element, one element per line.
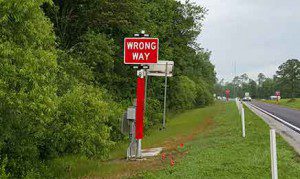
<point>288,77</point>
<point>268,88</point>
<point>253,88</point>
<point>28,99</point>
<point>63,84</point>
<point>260,78</point>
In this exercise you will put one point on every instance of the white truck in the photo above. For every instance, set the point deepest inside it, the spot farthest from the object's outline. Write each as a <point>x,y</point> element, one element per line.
<point>247,97</point>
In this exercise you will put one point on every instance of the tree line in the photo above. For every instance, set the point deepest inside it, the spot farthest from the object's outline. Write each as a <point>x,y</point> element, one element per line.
<point>286,80</point>
<point>63,84</point>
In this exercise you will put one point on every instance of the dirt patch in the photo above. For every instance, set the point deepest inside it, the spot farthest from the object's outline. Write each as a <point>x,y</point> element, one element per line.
<point>173,152</point>
<point>173,144</point>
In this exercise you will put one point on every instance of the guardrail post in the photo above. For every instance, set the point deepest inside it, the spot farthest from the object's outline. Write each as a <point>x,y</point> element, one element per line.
<point>273,154</point>
<point>243,122</point>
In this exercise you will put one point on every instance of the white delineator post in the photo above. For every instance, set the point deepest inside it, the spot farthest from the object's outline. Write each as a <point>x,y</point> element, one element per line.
<point>243,122</point>
<point>273,154</point>
<point>240,107</point>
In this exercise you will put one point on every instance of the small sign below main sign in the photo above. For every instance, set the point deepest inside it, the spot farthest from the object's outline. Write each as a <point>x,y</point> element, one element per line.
<point>141,50</point>
<point>161,68</point>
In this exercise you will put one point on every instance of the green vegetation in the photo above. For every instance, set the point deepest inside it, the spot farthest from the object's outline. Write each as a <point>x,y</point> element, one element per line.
<point>223,153</point>
<point>63,84</point>
<point>286,80</point>
<point>179,130</point>
<point>291,103</point>
<point>213,148</point>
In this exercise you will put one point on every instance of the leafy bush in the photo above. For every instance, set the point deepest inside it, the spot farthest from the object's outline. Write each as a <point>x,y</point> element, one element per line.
<point>3,173</point>
<point>53,102</point>
<point>28,98</point>
<point>153,115</point>
<point>183,93</point>
<point>82,126</point>
<point>204,96</point>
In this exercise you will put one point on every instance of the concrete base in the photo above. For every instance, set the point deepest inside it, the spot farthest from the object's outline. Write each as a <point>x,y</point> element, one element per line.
<point>152,152</point>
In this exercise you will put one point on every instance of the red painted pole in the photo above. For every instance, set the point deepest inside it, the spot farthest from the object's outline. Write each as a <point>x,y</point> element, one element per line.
<point>140,105</point>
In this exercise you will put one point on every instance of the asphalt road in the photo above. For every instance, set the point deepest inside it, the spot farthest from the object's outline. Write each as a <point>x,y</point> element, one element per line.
<point>289,115</point>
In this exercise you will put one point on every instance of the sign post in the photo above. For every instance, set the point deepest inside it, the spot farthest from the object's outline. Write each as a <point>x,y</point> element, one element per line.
<point>163,69</point>
<point>140,104</point>
<point>227,94</point>
<point>277,93</point>
<point>165,96</point>
<point>140,51</point>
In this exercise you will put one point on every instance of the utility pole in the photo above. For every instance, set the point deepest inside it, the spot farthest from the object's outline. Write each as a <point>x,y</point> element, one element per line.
<point>234,90</point>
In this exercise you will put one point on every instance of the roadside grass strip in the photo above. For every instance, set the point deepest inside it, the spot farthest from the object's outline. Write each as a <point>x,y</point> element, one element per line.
<point>180,129</point>
<point>222,152</point>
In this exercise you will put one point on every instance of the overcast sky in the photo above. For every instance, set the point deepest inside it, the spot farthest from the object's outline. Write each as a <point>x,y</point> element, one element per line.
<point>258,34</point>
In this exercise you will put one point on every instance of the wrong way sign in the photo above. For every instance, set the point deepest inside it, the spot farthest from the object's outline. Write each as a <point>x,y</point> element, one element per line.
<point>141,50</point>
<point>227,91</point>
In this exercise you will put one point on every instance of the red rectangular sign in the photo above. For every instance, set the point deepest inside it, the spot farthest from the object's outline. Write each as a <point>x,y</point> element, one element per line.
<point>141,50</point>
<point>227,91</point>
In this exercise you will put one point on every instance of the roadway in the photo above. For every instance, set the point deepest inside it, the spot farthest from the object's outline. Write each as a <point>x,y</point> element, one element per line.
<point>289,115</point>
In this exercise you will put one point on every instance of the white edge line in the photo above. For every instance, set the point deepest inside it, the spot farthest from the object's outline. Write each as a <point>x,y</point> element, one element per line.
<point>281,120</point>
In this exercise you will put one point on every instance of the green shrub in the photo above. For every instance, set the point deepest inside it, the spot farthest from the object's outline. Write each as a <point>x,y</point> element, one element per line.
<point>183,93</point>
<point>82,126</point>
<point>153,115</point>
<point>3,165</point>
<point>204,96</point>
<point>28,67</point>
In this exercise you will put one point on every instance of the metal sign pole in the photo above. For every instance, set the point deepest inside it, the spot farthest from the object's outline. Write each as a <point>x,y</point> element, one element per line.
<point>146,85</point>
<point>165,97</point>
<point>140,93</point>
<point>140,110</point>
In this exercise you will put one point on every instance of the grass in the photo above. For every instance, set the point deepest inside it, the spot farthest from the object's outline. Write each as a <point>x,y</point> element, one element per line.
<point>181,128</point>
<point>290,103</point>
<point>222,153</point>
<point>213,148</point>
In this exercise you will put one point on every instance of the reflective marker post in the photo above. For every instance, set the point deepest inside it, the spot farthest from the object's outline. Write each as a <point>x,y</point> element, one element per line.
<point>273,154</point>
<point>243,122</point>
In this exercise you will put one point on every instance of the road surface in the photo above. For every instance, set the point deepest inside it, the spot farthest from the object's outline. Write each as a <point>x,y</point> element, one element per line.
<point>289,115</point>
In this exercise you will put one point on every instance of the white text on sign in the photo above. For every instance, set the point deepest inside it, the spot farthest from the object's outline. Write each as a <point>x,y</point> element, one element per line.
<point>141,50</point>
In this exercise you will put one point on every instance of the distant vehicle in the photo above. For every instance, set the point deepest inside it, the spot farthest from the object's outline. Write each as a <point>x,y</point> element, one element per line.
<point>274,97</point>
<point>248,98</point>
